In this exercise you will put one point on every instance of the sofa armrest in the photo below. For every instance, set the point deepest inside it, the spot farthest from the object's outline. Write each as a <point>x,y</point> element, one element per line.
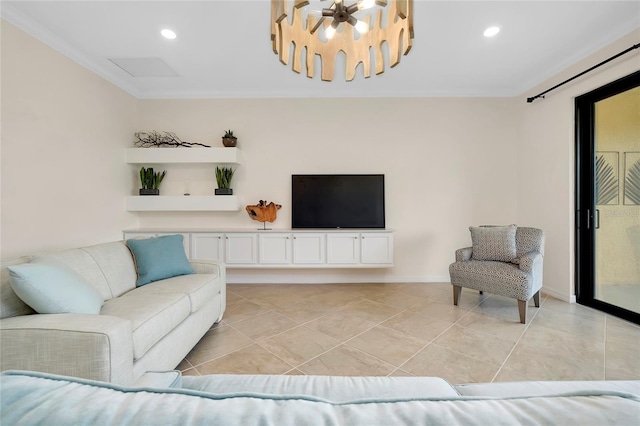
<point>464,254</point>
<point>530,262</point>
<point>211,267</point>
<point>96,347</point>
<point>207,266</point>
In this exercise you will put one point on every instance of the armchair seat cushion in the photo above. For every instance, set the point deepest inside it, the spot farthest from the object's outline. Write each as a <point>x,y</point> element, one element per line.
<point>502,278</point>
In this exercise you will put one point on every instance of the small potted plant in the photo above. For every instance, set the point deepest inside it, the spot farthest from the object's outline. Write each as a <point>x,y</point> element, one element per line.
<point>223,178</point>
<point>229,140</point>
<point>150,181</point>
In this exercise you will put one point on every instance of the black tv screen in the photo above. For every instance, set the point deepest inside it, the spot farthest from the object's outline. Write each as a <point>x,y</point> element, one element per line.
<point>337,201</point>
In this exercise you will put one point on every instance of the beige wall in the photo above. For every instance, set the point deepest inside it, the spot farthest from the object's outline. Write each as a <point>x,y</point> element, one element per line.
<point>448,164</point>
<point>63,130</point>
<point>546,156</point>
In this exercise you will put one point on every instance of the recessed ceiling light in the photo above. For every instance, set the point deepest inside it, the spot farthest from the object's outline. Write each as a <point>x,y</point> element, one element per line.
<point>168,34</point>
<point>491,31</point>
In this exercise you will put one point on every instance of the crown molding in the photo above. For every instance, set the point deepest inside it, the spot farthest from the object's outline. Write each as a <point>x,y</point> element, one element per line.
<point>11,15</point>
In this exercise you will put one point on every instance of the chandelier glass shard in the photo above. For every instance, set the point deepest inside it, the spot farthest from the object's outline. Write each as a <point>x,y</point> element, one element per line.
<point>361,35</point>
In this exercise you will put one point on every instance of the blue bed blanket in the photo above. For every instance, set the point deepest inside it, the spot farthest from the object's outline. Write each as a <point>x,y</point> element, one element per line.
<point>29,398</point>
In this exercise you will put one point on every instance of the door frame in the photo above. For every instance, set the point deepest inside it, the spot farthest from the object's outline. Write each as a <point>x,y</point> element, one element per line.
<point>586,217</point>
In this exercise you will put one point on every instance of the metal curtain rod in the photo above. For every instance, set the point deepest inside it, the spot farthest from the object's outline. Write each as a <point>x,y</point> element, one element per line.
<point>541,95</point>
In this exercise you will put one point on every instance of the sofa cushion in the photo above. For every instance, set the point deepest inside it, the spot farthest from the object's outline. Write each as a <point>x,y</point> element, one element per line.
<point>85,265</point>
<point>160,379</point>
<point>199,287</point>
<point>541,388</point>
<point>337,389</point>
<point>159,258</point>
<point>152,315</point>
<point>496,243</point>
<point>38,398</point>
<point>50,287</point>
<point>116,266</point>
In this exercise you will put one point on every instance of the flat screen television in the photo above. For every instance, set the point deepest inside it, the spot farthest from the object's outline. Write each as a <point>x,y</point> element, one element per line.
<point>337,201</point>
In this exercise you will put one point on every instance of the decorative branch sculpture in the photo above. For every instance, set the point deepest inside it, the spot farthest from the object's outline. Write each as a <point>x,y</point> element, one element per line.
<point>263,212</point>
<point>156,139</point>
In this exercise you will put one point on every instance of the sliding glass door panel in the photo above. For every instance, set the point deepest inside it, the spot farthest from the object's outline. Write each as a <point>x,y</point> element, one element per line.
<point>617,239</point>
<point>608,198</point>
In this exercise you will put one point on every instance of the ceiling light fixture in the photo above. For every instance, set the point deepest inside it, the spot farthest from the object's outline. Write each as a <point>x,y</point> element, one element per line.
<point>491,31</point>
<point>396,34</point>
<point>168,34</point>
<point>341,13</point>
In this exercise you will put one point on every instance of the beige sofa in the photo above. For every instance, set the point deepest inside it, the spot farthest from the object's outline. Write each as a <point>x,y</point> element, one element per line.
<point>138,330</point>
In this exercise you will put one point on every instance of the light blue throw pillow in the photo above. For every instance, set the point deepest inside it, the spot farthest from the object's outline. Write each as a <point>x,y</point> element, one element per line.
<point>51,287</point>
<point>159,258</point>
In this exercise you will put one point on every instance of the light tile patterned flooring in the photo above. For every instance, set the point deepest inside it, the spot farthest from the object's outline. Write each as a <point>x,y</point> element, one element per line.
<point>411,329</point>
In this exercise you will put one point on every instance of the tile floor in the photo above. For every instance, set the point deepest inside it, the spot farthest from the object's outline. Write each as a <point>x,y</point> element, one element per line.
<point>411,329</point>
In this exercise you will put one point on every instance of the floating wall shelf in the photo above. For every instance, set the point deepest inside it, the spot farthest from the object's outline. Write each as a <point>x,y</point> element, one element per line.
<point>221,155</point>
<point>171,203</point>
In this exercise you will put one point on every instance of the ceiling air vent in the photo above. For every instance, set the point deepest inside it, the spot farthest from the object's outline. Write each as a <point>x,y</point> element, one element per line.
<point>145,67</point>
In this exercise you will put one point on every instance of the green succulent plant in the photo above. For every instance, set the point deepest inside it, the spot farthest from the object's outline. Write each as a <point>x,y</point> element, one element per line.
<point>224,176</point>
<point>229,134</point>
<point>151,180</point>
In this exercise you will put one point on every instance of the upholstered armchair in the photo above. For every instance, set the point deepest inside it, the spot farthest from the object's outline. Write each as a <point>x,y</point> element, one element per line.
<point>504,260</point>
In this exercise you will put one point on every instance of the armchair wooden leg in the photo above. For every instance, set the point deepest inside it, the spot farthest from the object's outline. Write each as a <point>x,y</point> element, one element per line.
<point>522,307</point>
<point>536,299</point>
<point>456,294</point>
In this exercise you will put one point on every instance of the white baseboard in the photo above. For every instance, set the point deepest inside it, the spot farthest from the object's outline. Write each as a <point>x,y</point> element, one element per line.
<point>564,297</point>
<point>345,276</point>
<point>325,277</point>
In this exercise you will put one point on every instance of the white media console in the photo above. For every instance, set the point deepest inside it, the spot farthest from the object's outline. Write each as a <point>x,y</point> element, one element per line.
<point>284,248</point>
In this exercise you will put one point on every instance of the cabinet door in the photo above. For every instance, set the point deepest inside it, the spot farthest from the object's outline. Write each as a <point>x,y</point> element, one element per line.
<point>376,248</point>
<point>207,246</point>
<point>274,248</point>
<point>241,248</point>
<point>309,248</point>
<point>343,248</point>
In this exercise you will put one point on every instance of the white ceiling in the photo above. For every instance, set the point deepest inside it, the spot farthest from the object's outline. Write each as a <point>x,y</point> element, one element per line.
<point>223,49</point>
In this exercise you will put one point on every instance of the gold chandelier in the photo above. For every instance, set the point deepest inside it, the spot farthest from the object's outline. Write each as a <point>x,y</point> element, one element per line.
<point>397,33</point>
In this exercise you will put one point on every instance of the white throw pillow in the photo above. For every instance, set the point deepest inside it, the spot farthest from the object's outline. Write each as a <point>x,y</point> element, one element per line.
<point>51,287</point>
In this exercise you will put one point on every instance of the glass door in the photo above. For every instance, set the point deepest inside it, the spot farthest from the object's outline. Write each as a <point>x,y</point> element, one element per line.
<point>608,198</point>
